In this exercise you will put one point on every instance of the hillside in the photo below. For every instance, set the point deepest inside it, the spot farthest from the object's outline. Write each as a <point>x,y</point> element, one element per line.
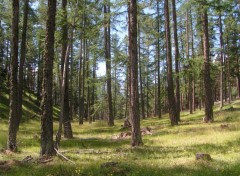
<point>168,151</point>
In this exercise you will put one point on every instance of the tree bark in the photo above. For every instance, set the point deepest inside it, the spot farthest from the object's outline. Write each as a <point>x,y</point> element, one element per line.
<point>80,82</point>
<point>193,56</point>
<point>13,114</point>
<point>140,75</point>
<point>22,60</point>
<point>159,108</point>
<point>47,147</point>
<point>189,65</point>
<point>108,61</point>
<point>177,57</point>
<point>133,58</point>
<point>171,97</point>
<point>221,61</point>
<point>206,70</point>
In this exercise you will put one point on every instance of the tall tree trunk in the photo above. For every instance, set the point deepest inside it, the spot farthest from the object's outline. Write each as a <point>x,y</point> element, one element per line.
<point>80,82</point>
<point>47,103</point>
<point>108,61</point>
<point>22,60</point>
<point>189,65</point>
<point>177,57</point>
<point>133,58</point>
<point>1,47</point>
<point>147,87</point>
<point>221,61</point>
<point>93,88</point>
<point>63,87</point>
<point>39,76</point>
<point>159,100</point>
<point>193,56</point>
<point>13,114</point>
<point>171,97</point>
<point>88,110</point>
<point>71,82</point>
<point>83,78</point>
<point>65,60</point>
<point>206,71</point>
<point>140,74</point>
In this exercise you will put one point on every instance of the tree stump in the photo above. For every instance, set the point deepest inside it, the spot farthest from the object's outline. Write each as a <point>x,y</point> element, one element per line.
<point>203,156</point>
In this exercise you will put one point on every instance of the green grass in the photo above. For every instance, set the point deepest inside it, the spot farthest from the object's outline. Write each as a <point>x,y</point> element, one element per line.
<point>169,151</point>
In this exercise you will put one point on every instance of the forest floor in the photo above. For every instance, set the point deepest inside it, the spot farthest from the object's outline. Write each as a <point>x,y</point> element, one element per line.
<point>168,151</point>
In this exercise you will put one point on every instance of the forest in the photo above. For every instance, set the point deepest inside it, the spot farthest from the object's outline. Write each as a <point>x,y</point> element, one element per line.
<point>123,88</point>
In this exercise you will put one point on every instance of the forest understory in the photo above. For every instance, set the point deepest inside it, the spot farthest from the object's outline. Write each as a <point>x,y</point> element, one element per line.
<point>169,150</point>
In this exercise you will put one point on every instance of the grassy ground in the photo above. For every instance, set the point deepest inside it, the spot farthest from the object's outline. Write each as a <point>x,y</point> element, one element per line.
<point>169,151</point>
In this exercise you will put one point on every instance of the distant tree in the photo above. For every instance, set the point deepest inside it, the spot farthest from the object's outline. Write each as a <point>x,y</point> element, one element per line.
<point>13,114</point>
<point>133,64</point>
<point>47,147</point>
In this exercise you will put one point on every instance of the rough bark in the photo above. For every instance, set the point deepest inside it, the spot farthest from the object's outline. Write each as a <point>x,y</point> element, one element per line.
<point>189,65</point>
<point>221,61</point>
<point>140,75</point>
<point>133,58</point>
<point>65,60</point>
<point>108,61</point>
<point>177,57</point>
<point>13,114</point>
<point>206,70</point>
<point>193,56</point>
<point>22,60</point>
<point>80,79</point>
<point>171,97</point>
<point>47,147</point>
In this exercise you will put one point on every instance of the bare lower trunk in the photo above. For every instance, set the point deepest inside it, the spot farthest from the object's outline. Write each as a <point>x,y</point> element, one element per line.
<point>133,53</point>
<point>177,57</point>
<point>206,71</point>
<point>22,60</point>
<point>171,97</point>
<point>47,147</point>
<point>13,113</point>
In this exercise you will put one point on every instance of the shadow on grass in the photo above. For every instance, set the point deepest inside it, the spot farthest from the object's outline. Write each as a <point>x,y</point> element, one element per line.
<point>95,143</point>
<point>126,169</point>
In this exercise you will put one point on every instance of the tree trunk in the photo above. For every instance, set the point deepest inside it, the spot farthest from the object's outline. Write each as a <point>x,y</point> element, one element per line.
<point>93,87</point>
<point>65,60</point>
<point>22,60</point>
<point>159,108</point>
<point>108,61</point>
<point>206,71</point>
<point>1,47</point>
<point>189,65</point>
<point>80,82</point>
<point>47,104</point>
<point>71,102</point>
<point>177,57</point>
<point>133,58</point>
<point>63,87</point>
<point>140,74</point>
<point>221,61</point>
<point>193,56</point>
<point>13,114</point>
<point>171,97</point>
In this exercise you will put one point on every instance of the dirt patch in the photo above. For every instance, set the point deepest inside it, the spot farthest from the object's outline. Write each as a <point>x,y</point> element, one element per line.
<point>128,134</point>
<point>7,165</point>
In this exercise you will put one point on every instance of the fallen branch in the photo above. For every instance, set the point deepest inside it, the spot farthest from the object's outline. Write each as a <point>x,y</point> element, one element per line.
<point>64,157</point>
<point>45,161</point>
